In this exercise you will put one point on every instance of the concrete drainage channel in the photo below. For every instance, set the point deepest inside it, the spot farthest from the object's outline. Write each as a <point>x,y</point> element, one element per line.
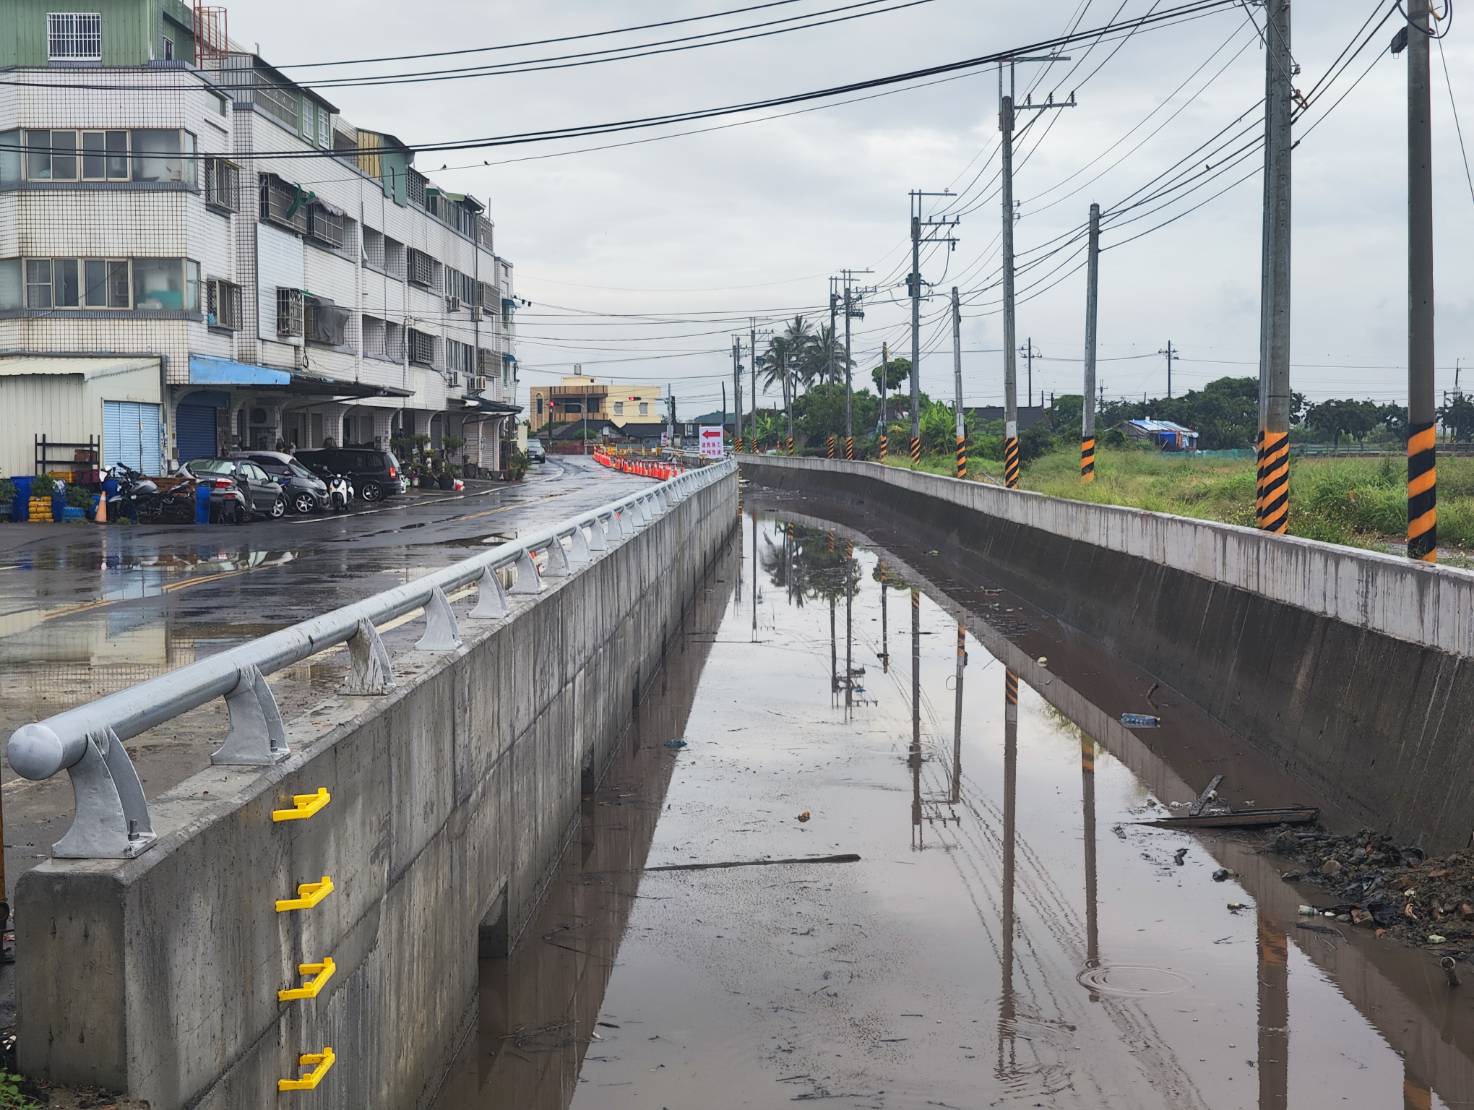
<point>305,914</point>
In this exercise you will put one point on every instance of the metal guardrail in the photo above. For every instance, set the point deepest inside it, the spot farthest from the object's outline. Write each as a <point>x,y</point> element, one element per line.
<point>112,818</point>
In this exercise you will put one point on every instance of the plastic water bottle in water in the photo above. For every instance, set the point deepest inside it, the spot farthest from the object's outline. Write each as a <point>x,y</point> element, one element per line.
<point>1140,720</point>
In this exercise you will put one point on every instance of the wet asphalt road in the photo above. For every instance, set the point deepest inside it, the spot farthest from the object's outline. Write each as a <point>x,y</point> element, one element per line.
<point>86,609</point>
<point>1011,936</point>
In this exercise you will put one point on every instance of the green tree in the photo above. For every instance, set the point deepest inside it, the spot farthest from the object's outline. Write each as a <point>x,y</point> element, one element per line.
<point>1457,415</point>
<point>820,411</point>
<point>1339,417</point>
<point>897,374</point>
<point>938,429</point>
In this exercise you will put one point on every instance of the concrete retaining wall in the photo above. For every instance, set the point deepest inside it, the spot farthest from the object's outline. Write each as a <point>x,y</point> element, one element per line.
<point>1350,669</point>
<point>451,800</point>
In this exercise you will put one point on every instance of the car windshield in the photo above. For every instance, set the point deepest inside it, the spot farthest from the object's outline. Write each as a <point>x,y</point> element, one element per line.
<point>299,470</point>
<point>534,443</point>
<point>210,466</point>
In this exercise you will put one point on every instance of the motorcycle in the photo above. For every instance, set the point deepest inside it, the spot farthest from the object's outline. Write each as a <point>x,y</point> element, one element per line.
<point>133,493</point>
<point>340,489</point>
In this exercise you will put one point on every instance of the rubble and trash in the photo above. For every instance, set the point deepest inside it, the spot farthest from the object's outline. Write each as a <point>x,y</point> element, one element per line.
<point>1140,720</point>
<point>677,744</point>
<point>1223,874</point>
<point>804,816</point>
<point>1450,970</point>
<point>1179,855</point>
<point>1376,883</point>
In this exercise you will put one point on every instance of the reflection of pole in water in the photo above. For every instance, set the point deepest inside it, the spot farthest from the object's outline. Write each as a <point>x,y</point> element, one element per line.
<point>737,600</point>
<point>754,576</point>
<point>1087,797</point>
<point>1274,1017</point>
<point>956,797</point>
<point>1416,1095</point>
<point>788,560</point>
<point>1010,801</point>
<point>833,655</point>
<point>849,632</point>
<point>914,757</point>
<point>885,649</point>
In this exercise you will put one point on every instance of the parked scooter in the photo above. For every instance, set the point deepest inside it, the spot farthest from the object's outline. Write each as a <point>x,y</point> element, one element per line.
<point>134,494</point>
<point>340,492</point>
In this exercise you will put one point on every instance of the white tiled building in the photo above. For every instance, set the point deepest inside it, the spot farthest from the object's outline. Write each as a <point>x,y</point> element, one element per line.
<point>294,277</point>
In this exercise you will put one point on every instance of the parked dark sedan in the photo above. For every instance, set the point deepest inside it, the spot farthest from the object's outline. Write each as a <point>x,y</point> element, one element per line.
<point>304,490</point>
<point>375,472</point>
<point>239,489</point>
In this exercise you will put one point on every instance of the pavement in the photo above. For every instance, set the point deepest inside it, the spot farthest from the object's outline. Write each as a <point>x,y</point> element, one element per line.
<point>87,609</point>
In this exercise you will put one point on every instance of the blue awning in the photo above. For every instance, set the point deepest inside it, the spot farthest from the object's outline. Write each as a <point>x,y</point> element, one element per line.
<point>207,370</point>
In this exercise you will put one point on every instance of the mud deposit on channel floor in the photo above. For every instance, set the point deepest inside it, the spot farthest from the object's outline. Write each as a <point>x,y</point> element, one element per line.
<point>1010,935</point>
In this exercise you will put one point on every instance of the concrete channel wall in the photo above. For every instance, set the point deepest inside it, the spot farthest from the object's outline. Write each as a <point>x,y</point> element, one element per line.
<point>1350,669</point>
<point>452,798</point>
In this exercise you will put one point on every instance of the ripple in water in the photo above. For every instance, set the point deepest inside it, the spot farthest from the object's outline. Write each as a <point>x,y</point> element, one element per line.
<point>1132,980</point>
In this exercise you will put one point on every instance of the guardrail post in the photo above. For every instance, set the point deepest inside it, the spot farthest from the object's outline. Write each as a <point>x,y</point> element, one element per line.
<point>579,554</point>
<point>256,737</point>
<point>441,631</point>
<point>112,819</point>
<point>372,672</point>
<point>528,581</point>
<point>626,527</point>
<point>599,534</point>
<point>491,599</point>
<point>557,560</point>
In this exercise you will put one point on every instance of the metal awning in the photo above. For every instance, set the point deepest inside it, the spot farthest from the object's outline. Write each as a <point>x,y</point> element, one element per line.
<point>490,407</point>
<point>86,367</point>
<point>208,370</point>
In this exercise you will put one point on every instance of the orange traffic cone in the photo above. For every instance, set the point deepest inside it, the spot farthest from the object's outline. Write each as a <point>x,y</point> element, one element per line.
<point>100,517</point>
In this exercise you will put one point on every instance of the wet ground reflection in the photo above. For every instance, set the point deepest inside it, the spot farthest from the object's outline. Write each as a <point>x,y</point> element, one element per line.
<point>1010,937</point>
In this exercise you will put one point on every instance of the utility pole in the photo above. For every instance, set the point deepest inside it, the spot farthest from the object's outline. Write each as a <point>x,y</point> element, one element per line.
<point>885,360</point>
<point>724,409</point>
<point>1006,110</point>
<point>1422,477</point>
<point>1092,304</point>
<point>833,307</point>
<point>1272,491</point>
<point>752,352</point>
<point>850,312</point>
<point>736,393</point>
<point>1028,350</point>
<point>913,285</point>
<point>787,393</point>
<point>1171,353</point>
<point>957,399</point>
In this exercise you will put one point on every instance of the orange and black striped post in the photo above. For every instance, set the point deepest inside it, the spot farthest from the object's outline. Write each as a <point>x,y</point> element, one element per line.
<point>882,446</point>
<point>915,451</point>
<point>1422,493</point>
<point>1011,462</point>
<point>849,448</point>
<point>961,457</point>
<point>790,445</point>
<point>1087,459</point>
<point>1272,491</point>
<point>829,446</point>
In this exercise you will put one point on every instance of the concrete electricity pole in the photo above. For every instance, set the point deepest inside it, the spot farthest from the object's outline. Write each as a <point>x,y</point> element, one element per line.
<point>913,285</point>
<point>787,393</point>
<point>957,391</point>
<point>885,360</point>
<point>850,312</point>
<point>1028,350</point>
<point>1171,353</point>
<point>1272,491</point>
<point>1006,110</point>
<point>1092,302</point>
<point>833,308</point>
<point>752,350</point>
<point>1422,478</point>
<point>736,393</point>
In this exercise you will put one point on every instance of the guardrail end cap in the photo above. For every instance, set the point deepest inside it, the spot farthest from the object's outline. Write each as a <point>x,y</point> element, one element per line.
<point>36,751</point>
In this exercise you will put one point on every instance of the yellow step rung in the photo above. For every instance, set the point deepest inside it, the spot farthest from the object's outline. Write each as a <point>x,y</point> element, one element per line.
<point>303,806</point>
<point>318,976</point>
<point>308,895</point>
<point>320,1064</point>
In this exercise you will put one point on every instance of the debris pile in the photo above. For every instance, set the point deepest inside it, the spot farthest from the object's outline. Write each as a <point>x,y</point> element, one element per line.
<point>1381,885</point>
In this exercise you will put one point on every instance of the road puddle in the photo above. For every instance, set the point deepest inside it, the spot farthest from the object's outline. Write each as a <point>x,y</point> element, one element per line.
<point>1011,934</point>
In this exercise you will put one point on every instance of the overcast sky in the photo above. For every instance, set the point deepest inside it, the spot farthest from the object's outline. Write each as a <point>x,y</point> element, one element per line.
<point>752,219</point>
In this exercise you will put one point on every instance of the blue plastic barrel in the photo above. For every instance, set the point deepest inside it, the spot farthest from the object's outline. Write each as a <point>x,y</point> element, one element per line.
<point>21,510</point>
<point>202,504</point>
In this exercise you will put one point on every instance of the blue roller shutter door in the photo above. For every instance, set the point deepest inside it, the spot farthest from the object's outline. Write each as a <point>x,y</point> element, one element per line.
<point>194,431</point>
<point>130,435</point>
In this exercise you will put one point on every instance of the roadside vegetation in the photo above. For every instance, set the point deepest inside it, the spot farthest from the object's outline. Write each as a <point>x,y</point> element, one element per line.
<point>1354,501</point>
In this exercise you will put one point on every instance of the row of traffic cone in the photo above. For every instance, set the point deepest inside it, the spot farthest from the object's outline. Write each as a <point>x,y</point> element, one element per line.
<point>659,471</point>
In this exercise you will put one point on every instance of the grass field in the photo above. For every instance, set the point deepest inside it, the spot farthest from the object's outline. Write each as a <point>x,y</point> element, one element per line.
<point>1356,502</point>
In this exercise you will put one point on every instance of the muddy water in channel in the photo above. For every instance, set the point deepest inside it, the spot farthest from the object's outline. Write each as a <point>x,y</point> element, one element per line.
<point>1010,936</point>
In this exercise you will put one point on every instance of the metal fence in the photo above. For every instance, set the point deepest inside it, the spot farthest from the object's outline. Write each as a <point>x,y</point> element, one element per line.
<point>112,818</point>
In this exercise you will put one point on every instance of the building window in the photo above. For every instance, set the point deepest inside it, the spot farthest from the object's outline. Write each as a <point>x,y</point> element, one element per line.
<point>421,268</point>
<point>144,154</point>
<point>163,155</point>
<point>289,312</point>
<point>394,258</point>
<point>460,357</point>
<point>51,155</point>
<point>618,408</point>
<point>277,101</point>
<point>644,408</point>
<point>417,188</point>
<point>146,284</point>
<point>324,322</point>
<point>326,226</point>
<point>168,49</point>
<point>324,128</point>
<point>74,36</point>
<point>421,348</point>
<point>222,184</point>
<point>283,203</point>
<point>104,156</point>
<point>106,283</point>
<point>223,305</point>
<point>166,284</point>
<point>393,341</point>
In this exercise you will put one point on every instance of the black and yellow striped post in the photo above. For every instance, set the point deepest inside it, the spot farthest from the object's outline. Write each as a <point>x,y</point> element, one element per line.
<point>961,457</point>
<point>1272,490</point>
<point>849,448</point>
<point>1011,462</point>
<point>1087,459</point>
<point>915,451</point>
<point>790,445</point>
<point>829,446</point>
<point>884,443</point>
<point>1422,493</point>
<point>737,446</point>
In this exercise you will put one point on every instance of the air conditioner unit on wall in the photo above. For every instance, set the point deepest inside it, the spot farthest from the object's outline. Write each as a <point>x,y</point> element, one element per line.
<point>476,313</point>
<point>452,303</point>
